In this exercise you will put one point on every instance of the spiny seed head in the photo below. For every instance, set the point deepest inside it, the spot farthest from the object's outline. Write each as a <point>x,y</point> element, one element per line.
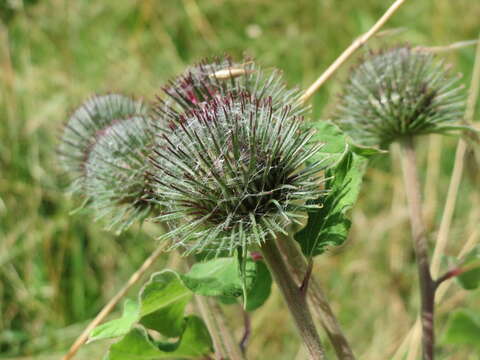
<point>396,93</point>
<point>213,78</point>
<point>104,148</point>
<point>92,117</point>
<point>233,173</point>
<point>115,171</point>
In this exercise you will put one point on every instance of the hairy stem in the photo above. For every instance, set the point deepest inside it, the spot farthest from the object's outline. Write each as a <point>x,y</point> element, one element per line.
<point>427,285</point>
<point>299,267</point>
<point>209,317</point>
<point>295,299</point>
<point>224,343</point>
<point>234,350</point>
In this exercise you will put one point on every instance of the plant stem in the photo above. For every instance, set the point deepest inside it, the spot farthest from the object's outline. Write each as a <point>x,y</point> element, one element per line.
<point>427,285</point>
<point>295,299</point>
<point>234,351</point>
<point>247,330</point>
<point>440,293</point>
<point>209,318</point>
<point>414,333</point>
<point>299,266</point>
<point>223,343</point>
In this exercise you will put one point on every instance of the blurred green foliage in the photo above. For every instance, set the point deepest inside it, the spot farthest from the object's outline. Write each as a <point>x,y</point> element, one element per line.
<point>57,269</point>
<point>9,8</point>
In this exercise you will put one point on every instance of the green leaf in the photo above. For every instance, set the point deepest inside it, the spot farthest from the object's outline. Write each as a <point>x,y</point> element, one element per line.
<point>470,279</point>
<point>160,307</point>
<point>337,143</point>
<point>117,327</point>
<point>334,139</point>
<point>135,345</point>
<point>195,342</point>
<point>163,288</point>
<point>163,300</point>
<point>167,321</point>
<point>329,225</point>
<point>463,328</point>
<point>261,287</point>
<point>219,277</point>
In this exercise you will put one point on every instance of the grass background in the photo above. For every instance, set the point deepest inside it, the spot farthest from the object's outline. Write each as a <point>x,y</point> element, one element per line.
<point>57,269</point>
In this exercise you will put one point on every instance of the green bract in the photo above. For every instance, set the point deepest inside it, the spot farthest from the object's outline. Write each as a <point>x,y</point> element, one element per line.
<point>233,173</point>
<point>396,93</point>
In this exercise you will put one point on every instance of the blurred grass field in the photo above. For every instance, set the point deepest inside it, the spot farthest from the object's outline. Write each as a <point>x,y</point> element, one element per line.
<point>57,269</point>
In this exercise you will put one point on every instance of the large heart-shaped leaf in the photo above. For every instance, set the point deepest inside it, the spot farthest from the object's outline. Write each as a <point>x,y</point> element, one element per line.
<point>160,307</point>
<point>195,342</point>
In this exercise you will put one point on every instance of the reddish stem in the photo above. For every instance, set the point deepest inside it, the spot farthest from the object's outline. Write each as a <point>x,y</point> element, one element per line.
<point>448,275</point>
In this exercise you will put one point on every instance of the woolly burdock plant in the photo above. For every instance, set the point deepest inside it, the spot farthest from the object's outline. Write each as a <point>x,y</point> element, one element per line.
<point>104,147</point>
<point>394,96</point>
<point>233,174</point>
<point>211,78</point>
<point>397,93</point>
